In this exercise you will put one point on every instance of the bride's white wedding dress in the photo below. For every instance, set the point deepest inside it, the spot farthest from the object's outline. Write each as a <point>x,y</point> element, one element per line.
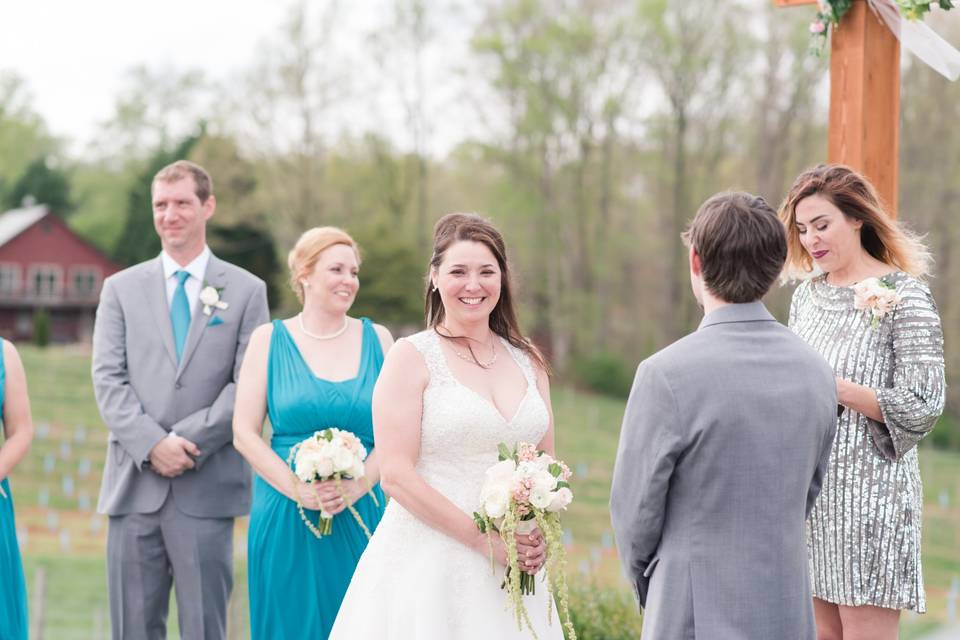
<point>414,581</point>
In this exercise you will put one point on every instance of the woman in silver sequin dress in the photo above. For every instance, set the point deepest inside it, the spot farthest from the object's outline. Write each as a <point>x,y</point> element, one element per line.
<point>864,532</point>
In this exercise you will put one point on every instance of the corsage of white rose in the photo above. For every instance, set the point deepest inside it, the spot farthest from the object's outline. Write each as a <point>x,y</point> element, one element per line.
<point>210,299</point>
<point>875,296</point>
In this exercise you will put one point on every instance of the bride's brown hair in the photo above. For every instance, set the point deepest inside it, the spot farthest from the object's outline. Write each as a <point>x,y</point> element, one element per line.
<point>457,227</point>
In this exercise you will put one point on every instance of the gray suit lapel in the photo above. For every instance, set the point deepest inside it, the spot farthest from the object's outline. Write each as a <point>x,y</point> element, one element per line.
<point>155,291</point>
<point>215,276</point>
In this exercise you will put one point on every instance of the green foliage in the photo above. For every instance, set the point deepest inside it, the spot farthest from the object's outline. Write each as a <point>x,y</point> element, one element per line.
<point>605,373</point>
<point>139,240</point>
<point>41,328</point>
<point>248,247</point>
<point>101,195</point>
<point>23,134</point>
<point>46,185</point>
<point>603,613</point>
<point>391,279</point>
<point>946,435</point>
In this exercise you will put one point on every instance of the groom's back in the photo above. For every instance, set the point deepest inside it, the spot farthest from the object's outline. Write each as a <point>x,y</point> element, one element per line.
<point>754,407</point>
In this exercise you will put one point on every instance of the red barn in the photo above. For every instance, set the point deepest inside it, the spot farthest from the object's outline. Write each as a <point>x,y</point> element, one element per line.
<point>44,265</point>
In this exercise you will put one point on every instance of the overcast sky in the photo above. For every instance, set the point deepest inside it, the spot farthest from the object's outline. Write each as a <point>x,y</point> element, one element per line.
<point>74,55</point>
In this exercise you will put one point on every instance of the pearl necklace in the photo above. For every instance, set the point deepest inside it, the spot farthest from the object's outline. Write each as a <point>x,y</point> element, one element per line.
<point>474,359</point>
<point>329,336</point>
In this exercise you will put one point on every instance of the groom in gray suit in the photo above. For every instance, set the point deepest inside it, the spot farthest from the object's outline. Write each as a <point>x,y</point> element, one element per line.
<point>724,444</point>
<point>167,344</point>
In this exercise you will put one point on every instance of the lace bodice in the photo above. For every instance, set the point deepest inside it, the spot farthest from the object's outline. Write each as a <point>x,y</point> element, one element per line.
<point>457,592</point>
<point>460,429</point>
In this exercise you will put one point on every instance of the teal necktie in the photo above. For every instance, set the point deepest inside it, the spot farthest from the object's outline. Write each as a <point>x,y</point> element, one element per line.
<point>180,313</point>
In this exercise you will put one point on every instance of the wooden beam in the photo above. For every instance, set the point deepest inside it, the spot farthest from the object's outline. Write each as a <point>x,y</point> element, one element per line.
<point>865,100</point>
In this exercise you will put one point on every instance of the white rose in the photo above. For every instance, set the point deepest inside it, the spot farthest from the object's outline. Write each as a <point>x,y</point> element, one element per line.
<point>540,496</point>
<point>324,467</point>
<point>306,464</point>
<point>502,471</point>
<point>343,460</point>
<point>357,470</point>
<point>544,481</point>
<point>526,470</point>
<point>305,472</point>
<point>209,296</point>
<point>562,498</point>
<point>495,499</point>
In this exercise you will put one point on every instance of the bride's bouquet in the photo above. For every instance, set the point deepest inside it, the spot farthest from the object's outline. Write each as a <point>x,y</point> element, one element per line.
<point>329,454</point>
<point>527,489</point>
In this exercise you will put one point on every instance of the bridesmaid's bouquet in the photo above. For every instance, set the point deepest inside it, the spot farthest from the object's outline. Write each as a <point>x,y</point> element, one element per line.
<point>527,489</point>
<point>330,454</point>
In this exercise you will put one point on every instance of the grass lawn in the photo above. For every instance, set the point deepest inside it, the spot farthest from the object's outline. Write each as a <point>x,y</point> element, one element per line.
<point>56,489</point>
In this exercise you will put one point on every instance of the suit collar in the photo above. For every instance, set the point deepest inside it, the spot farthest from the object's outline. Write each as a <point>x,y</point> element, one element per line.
<point>197,267</point>
<point>155,291</point>
<point>745,312</point>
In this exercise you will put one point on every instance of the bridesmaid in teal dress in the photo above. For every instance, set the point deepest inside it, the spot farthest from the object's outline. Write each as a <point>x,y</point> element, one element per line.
<point>310,372</point>
<point>18,430</point>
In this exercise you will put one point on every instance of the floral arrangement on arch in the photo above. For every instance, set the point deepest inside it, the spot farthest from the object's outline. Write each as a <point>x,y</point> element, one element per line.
<point>830,12</point>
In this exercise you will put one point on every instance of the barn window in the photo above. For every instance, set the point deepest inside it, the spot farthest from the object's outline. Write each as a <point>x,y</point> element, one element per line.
<point>44,281</point>
<point>9,279</point>
<point>85,281</point>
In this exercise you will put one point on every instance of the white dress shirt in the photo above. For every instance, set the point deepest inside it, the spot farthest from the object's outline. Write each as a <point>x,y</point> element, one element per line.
<point>197,270</point>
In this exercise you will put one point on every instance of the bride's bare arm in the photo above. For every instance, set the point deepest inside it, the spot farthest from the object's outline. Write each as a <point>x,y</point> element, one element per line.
<point>397,411</point>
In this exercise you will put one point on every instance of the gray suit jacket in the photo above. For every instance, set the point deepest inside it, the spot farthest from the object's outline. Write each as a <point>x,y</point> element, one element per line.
<point>724,444</point>
<point>143,393</point>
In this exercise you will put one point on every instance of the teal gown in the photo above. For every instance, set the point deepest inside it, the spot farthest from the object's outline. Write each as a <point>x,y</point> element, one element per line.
<point>13,591</point>
<point>296,581</point>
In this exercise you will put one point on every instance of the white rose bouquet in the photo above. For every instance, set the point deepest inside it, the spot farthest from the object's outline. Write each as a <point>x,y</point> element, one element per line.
<point>528,488</point>
<point>330,454</point>
<point>875,296</point>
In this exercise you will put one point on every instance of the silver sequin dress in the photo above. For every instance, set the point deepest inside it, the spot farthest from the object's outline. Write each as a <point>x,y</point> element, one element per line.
<point>863,535</point>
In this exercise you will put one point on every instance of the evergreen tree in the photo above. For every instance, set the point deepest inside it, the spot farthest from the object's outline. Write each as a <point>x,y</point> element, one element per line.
<point>46,185</point>
<point>138,240</point>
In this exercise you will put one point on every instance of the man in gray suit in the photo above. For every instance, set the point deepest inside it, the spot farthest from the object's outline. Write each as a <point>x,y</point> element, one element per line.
<point>724,444</point>
<point>167,344</point>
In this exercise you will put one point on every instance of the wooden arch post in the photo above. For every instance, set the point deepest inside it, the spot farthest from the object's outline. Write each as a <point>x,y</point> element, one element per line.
<point>864,125</point>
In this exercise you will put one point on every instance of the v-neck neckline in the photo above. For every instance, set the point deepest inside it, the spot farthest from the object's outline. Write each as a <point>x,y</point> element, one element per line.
<point>306,365</point>
<point>490,403</point>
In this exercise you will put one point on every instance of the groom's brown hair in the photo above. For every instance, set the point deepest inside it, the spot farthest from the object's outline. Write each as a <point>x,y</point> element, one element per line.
<point>741,244</point>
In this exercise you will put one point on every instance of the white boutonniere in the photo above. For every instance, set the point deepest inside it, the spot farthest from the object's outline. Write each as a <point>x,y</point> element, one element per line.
<point>876,296</point>
<point>210,299</point>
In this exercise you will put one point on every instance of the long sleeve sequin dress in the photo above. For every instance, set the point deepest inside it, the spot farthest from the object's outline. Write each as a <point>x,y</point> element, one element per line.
<point>863,535</point>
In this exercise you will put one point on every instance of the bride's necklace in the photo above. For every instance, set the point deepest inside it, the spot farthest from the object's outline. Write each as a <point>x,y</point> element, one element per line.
<point>473,359</point>
<point>329,336</point>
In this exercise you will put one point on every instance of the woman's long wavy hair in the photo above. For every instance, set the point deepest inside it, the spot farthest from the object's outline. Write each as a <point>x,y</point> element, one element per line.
<point>457,227</point>
<point>881,236</point>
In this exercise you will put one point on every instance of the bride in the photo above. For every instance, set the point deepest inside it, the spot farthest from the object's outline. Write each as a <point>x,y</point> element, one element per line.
<point>444,400</point>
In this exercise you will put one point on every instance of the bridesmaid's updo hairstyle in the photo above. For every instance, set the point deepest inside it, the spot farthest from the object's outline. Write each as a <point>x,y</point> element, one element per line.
<point>305,253</point>
<point>458,227</point>
<point>741,245</point>
<point>881,236</point>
